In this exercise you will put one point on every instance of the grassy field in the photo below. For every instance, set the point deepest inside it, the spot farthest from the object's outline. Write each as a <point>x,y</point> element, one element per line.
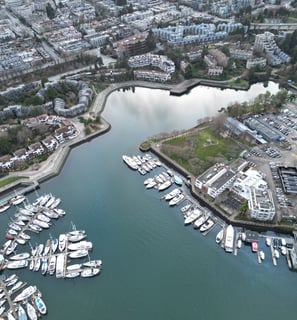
<point>200,149</point>
<point>9,180</point>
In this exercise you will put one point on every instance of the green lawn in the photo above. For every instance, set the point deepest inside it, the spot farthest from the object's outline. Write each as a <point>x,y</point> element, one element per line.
<point>9,180</point>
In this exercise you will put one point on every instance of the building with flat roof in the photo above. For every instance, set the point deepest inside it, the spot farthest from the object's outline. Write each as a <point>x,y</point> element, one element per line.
<point>261,205</point>
<point>288,178</point>
<point>216,179</point>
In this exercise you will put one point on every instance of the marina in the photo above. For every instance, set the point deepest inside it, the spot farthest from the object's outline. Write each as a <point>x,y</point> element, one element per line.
<point>229,237</point>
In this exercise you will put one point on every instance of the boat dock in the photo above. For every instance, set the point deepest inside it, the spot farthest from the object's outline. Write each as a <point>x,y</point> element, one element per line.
<point>12,306</point>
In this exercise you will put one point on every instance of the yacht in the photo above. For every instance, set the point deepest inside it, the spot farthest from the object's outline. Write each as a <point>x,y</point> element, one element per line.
<point>77,237</point>
<point>51,214</point>
<point>20,256</point>
<point>40,305</point>
<point>60,212</point>
<point>172,194</point>
<point>93,263</point>
<point>89,272</point>
<point>17,199</point>
<point>78,253</point>
<point>42,224</point>
<point>130,162</point>
<point>32,314</point>
<point>80,245</point>
<point>220,236</point>
<point>194,215</point>
<point>199,222</point>
<point>186,207</point>
<point>165,185</point>
<point>74,267</point>
<point>25,294</point>
<point>16,264</point>
<point>43,218</point>
<point>207,225</point>
<point>229,239</point>
<point>176,200</point>
<point>62,242</point>
<point>72,275</point>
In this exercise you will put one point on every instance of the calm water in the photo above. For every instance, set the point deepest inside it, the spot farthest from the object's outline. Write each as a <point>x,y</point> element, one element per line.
<point>154,267</point>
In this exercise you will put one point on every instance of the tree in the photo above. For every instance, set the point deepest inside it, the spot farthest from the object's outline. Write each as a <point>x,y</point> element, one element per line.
<point>50,11</point>
<point>189,72</point>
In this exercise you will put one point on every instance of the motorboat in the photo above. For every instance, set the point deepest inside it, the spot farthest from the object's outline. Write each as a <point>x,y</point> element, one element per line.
<point>21,256</point>
<point>26,212</point>
<point>32,314</point>
<point>72,275</point>
<point>42,224</point>
<point>80,245</point>
<point>220,235</point>
<point>89,272</point>
<point>194,215</point>
<point>43,218</point>
<point>54,244</point>
<point>55,203</point>
<point>2,302</point>
<point>74,267</point>
<point>37,264</point>
<point>40,248</point>
<point>2,309</point>
<point>283,250</point>
<point>62,242</point>
<point>44,265</point>
<point>10,316</point>
<point>93,263</point>
<point>17,200</point>
<point>50,202</point>
<point>47,248</point>
<point>239,243</point>
<point>60,212</point>
<point>229,239</point>
<point>4,206</point>
<point>16,287</point>
<point>11,277</point>
<point>254,246</point>
<point>40,305</point>
<point>151,184</point>
<point>148,180</point>
<point>262,255</point>
<point>22,315</point>
<point>276,253</point>
<point>176,200</point>
<point>6,245</point>
<point>165,185</point>
<point>18,264</point>
<point>24,236</point>
<point>207,225</point>
<point>44,199</point>
<point>186,207</point>
<point>268,241</point>
<point>78,237</point>
<point>78,253</point>
<point>199,222</point>
<point>15,227</point>
<point>52,265</point>
<point>172,194</point>
<point>25,294</point>
<point>20,240</point>
<point>10,249</point>
<point>11,283</point>
<point>130,162</point>
<point>178,180</point>
<point>34,227</point>
<point>19,222</point>
<point>51,214</point>
<point>30,207</point>
<point>12,232</point>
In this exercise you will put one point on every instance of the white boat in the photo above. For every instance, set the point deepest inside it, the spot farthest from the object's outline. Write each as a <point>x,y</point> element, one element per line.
<point>10,249</point>
<point>34,227</point>
<point>40,223</point>
<point>37,264</point>
<point>43,218</point>
<point>10,316</point>
<point>165,185</point>
<point>199,222</point>
<point>50,202</point>
<point>30,207</point>
<point>32,264</point>
<point>60,212</point>
<point>74,267</point>
<point>54,244</point>
<point>194,214</point>
<point>78,254</point>
<point>16,287</point>
<point>283,250</point>
<point>51,214</point>
<point>262,255</point>
<point>4,207</point>
<point>26,212</point>
<point>239,243</point>
<point>21,240</point>
<point>17,200</point>
<point>76,232</point>
<point>60,265</point>
<point>25,294</point>
<point>72,275</point>
<point>172,194</point>
<point>6,245</point>
<point>21,313</point>
<point>62,242</point>
<point>55,203</point>
<point>12,232</point>
<point>32,314</point>
<point>52,265</point>
<point>2,309</point>
<point>276,253</point>
<point>44,199</point>
<point>80,245</point>
<point>186,207</point>
<point>24,236</point>
<point>77,237</point>
<point>13,276</point>
<point>176,200</point>
<point>93,263</point>
<point>19,222</point>
<point>2,302</point>
<point>268,241</point>
<point>220,235</point>
<point>151,184</point>
<point>11,282</point>
<point>40,305</point>
<point>44,265</point>
<point>16,264</point>
<point>229,239</point>
<point>15,227</point>
<point>47,248</point>
<point>207,225</point>
<point>89,272</point>
<point>148,180</point>
<point>20,256</point>
<point>40,248</point>
<point>130,162</point>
